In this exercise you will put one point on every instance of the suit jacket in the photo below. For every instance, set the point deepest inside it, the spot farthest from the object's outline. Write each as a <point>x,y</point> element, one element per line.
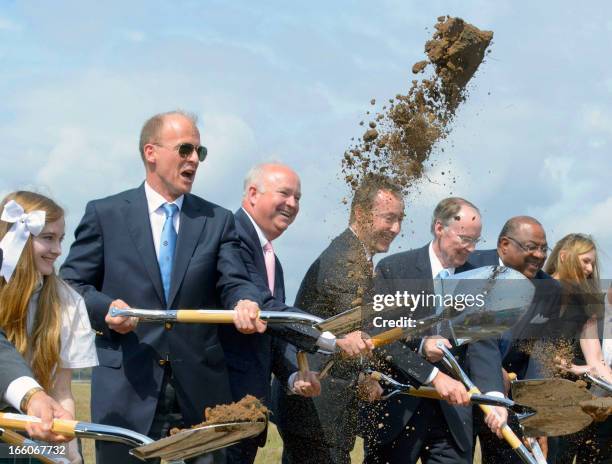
<point>252,358</point>
<point>113,256</point>
<point>336,281</point>
<point>411,271</point>
<point>541,315</point>
<point>12,365</point>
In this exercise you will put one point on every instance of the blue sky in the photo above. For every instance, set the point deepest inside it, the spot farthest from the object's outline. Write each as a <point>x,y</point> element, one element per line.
<point>288,81</point>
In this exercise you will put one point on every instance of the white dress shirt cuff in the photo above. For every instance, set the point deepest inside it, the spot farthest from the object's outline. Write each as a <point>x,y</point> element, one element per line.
<point>432,376</point>
<point>327,341</point>
<point>17,390</point>
<point>290,383</point>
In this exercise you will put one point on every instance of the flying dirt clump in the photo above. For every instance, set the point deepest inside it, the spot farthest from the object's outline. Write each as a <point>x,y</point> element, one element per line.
<point>401,136</point>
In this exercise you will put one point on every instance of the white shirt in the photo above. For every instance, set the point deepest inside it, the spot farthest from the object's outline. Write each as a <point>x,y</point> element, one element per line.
<point>77,349</point>
<point>262,238</point>
<point>157,216</point>
<point>436,267</point>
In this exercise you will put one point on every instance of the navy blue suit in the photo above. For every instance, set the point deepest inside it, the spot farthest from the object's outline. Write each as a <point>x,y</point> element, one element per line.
<point>251,359</point>
<point>411,271</point>
<point>540,316</point>
<point>113,256</point>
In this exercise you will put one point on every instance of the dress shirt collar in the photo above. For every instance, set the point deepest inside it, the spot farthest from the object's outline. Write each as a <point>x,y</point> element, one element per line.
<point>436,265</point>
<point>262,238</point>
<point>155,200</point>
<point>365,249</point>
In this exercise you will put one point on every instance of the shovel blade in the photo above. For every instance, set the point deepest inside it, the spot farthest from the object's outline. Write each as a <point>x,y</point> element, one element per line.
<point>194,442</point>
<point>557,403</point>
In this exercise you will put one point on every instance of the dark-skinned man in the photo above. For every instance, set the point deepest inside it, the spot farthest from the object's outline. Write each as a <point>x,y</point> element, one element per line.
<point>522,246</point>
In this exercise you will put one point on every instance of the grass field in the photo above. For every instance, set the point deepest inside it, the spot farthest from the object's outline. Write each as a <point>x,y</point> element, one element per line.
<point>270,454</point>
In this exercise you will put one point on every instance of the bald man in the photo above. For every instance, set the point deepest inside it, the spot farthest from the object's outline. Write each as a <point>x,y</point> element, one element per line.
<point>270,204</point>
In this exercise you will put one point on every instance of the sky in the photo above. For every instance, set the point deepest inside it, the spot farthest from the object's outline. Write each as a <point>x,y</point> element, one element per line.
<point>289,81</point>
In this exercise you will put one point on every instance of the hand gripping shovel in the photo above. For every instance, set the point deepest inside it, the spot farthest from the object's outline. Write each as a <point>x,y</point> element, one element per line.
<point>183,445</point>
<point>431,393</point>
<point>515,443</point>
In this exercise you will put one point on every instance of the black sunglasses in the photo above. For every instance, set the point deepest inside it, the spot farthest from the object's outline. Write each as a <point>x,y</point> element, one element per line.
<point>186,149</point>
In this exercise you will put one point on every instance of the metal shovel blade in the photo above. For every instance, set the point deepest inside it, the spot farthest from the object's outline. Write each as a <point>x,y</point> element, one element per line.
<point>193,442</point>
<point>557,402</point>
<point>502,297</point>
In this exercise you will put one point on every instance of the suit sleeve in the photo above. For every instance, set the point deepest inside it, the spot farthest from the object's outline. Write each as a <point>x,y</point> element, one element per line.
<point>401,355</point>
<point>484,365</point>
<point>233,283</point>
<point>12,365</point>
<point>84,267</point>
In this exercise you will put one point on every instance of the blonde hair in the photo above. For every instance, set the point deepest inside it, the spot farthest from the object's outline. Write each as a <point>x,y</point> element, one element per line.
<point>43,346</point>
<point>569,268</point>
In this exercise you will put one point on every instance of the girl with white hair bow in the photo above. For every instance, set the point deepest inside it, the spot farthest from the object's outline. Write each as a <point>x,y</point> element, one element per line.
<point>41,315</point>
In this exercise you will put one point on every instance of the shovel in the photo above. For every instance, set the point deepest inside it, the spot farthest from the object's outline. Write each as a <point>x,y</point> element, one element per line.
<point>558,404</point>
<point>12,438</point>
<point>515,443</point>
<point>213,316</point>
<point>431,393</point>
<point>601,383</point>
<point>183,445</point>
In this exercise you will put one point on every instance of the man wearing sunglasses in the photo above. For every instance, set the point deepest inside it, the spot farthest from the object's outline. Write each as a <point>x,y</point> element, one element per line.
<point>159,247</point>
<point>522,246</point>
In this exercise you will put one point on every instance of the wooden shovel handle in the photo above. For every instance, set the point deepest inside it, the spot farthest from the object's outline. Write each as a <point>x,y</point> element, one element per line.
<point>217,317</point>
<point>19,422</point>
<point>302,361</point>
<point>12,438</point>
<point>389,336</point>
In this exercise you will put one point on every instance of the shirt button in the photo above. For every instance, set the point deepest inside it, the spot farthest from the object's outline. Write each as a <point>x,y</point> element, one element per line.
<point>168,325</point>
<point>162,362</point>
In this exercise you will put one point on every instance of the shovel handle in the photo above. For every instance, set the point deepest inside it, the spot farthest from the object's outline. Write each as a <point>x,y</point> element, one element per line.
<point>205,317</point>
<point>12,438</point>
<point>389,336</point>
<point>302,361</point>
<point>19,422</point>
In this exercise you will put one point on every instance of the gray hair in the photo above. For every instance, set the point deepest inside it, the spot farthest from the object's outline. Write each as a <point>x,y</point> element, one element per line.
<point>255,176</point>
<point>448,209</point>
<point>153,126</point>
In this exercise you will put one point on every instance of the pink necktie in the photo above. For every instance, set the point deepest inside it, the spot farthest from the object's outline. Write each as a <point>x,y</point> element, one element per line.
<point>270,264</point>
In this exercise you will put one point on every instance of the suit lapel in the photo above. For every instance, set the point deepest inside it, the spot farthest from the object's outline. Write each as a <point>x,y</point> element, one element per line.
<point>136,213</point>
<point>190,230</point>
<point>279,282</point>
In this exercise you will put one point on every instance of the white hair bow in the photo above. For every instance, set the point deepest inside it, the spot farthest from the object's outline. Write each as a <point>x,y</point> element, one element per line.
<point>15,239</point>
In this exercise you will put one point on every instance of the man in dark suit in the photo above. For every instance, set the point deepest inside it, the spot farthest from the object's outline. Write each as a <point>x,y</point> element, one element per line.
<point>19,390</point>
<point>522,246</point>
<point>158,246</point>
<point>324,429</point>
<point>270,204</point>
<point>407,428</point>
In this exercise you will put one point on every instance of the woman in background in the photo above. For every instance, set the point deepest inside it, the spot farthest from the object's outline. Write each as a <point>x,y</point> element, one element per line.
<point>574,263</point>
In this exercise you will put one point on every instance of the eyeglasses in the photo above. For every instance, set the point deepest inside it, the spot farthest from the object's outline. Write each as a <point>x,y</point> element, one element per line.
<point>530,248</point>
<point>466,239</point>
<point>186,149</point>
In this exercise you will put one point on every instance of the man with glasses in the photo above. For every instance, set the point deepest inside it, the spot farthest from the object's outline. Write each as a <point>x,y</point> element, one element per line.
<point>522,246</point>
<point>159,247</point>
<point>408,428</point>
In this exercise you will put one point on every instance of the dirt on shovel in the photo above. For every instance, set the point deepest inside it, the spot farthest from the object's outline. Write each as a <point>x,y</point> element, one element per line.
<point>248,409</point>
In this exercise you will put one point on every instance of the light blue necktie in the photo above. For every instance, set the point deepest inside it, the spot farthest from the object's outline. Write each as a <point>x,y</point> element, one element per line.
<point>439,290</point>
<point>166,248</point>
